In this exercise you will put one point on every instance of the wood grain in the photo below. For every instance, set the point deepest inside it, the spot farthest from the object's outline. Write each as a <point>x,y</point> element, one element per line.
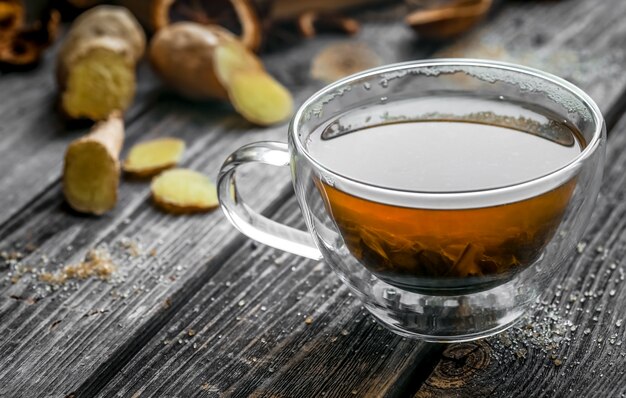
<point>584,303</point>
<point>568,39</point>
<point>63,237</point>
<point>270,324</point>
<point>34,136</point>
<point>76,337</point>
<point>77,340</point>
<point>285,371</point>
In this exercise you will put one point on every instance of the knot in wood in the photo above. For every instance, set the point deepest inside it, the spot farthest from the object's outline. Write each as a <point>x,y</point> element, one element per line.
<point>459,363</point>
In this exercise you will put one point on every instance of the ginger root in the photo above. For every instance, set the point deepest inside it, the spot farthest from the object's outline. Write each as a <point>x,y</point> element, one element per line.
<point>151,157</point>
<point>181,191</point>
<point>96,63</point>
<point>182,55</point>
<point>91,172</point>
<point>208,62</point>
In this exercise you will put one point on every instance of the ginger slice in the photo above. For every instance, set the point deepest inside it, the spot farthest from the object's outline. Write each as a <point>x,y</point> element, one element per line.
<point>258,97</point>
<point>91,171</point>
<point>252,91</point>
<point>180,191</point>
<point>151,157</point>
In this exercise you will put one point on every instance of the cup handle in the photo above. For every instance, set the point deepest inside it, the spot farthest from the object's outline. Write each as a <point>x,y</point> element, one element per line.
<point>251,223</point>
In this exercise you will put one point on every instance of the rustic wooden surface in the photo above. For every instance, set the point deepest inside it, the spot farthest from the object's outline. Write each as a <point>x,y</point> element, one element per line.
<point>585,304</point>
<point>213,314</point>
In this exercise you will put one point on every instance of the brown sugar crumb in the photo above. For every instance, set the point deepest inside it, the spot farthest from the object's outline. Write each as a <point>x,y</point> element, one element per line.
<point>97,263</point>
<point>131,247</point>
<point>191,332</point>
<point>19,271</point>
<point>308,320</point>
<point>167,303</point>
<point>11,256</point>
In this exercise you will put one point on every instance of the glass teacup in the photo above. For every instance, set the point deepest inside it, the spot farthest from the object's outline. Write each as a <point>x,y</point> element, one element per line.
<point>450,264</point>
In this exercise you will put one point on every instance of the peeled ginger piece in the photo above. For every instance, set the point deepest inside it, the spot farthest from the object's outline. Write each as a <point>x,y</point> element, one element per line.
<point>101,79</point>
<point>151,157</point>
<point>91,170</point>
<point>182,191</point>
<point>255,94</point>
<point>258,97</point>
<point>232,56</point>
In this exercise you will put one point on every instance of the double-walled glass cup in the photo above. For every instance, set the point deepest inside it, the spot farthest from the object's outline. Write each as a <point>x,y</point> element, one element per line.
<point>447,307</point>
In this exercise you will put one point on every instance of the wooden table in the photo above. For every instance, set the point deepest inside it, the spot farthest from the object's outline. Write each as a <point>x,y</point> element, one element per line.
<point>196,309</point>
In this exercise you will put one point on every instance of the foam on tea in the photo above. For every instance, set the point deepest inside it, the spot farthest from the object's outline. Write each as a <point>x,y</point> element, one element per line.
<point>407,246</point>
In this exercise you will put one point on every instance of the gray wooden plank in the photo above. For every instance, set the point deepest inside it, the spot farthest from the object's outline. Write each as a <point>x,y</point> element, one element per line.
<point>246,333</point>
<point>63,237</point>
<point>569,39</point>
<point>34,136</point>
<point>224,365</point>
<point>36,343</point>
<point>580,346</point>
<point>54,342</point>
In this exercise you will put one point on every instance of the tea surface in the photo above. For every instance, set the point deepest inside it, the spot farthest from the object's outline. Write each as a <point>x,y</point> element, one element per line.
<point>442,156</point>
<point>412,247</point>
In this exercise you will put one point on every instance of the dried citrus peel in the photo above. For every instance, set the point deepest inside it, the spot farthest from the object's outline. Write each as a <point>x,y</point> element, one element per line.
<point>151,157</point>
<point>11,16</point>
<point>180,191</point>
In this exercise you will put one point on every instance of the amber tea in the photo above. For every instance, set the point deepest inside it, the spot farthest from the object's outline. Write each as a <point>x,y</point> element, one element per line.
<point>421,248</point>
